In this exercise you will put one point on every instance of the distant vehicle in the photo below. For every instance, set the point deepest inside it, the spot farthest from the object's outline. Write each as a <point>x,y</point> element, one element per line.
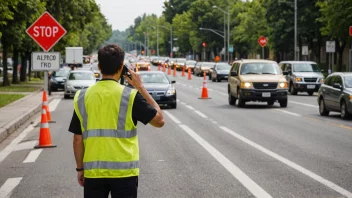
<point>74,56</point>
<point>77,80</point>
<point>190,64</point>
<point>303,76</point>
<point>96,71</point>
<point>336,94</point>
<point>180,63</point>
<point>57,80</point>
<point>160,87</point>
<point>257,80</point>
<point>219,72</point>
<point>142,66</point>
<point>203,67</point>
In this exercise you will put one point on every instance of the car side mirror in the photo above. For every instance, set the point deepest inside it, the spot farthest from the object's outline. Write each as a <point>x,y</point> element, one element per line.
<point>285,73</point>
<point>233,73</point>
<point>173,82</point>
<point>322,70</point>
<point>337,86</point>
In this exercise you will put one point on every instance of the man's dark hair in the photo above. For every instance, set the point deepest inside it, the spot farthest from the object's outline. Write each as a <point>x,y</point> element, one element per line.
<point>111,59</point>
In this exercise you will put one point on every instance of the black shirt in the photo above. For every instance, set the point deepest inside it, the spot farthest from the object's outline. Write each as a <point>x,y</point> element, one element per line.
<point>141,111</point>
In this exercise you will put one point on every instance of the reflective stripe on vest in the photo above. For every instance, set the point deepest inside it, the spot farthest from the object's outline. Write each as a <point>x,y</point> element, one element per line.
<point>111,165</point>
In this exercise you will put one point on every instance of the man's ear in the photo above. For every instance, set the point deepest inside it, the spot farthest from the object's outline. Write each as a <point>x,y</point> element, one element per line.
<point>99,67</point>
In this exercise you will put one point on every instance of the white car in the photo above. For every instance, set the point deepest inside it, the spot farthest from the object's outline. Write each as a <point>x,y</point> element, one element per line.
<point>77,80</point>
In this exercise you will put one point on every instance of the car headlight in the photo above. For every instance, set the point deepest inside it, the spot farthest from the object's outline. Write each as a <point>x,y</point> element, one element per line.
<point>171,91</point>
<point>299,80</point>
<point>246,85</point>
<point>282,85</point>
<point>69,86</point>
<point>52,80</point>
<point>321,80</point>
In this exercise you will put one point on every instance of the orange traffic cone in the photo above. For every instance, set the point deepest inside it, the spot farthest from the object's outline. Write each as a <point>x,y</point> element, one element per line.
<point>204,89</point>
<point>189,74</point>
<point>169,70</point>
<point>158,66</point>
<point>183,71</point>
<point>45,106</point>
<point>174,71</point>
<point>164,70</point>
<point>44,136</point>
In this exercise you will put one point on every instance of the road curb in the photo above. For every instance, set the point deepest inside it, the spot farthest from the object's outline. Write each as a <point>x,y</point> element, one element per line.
<point>9,128</point>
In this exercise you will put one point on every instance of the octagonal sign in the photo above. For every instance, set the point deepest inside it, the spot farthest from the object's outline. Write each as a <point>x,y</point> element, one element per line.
<point>46,31</point>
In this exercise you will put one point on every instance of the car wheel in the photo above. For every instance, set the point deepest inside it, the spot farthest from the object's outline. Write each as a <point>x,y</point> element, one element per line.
<point>241,102</point>
<point>213,79</point>
<point>173,106</point>
<point>344,112</point>
<point>310,93</point>
<point>232,100</point>
<point>322,108</point>
<point>270,103</point>
<point>210,78</point>
<point>66,96</point>
<point>218,80</point>
<point>283,103</point>
<point>293,91</point>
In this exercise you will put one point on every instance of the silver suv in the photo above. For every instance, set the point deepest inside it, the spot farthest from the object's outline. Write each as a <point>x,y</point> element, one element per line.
<point>302,76</point>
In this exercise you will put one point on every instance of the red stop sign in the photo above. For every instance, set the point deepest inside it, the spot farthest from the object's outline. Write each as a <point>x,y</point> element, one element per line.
<point>46,31</point>
<point>350,30</point>
<point>262,41</point>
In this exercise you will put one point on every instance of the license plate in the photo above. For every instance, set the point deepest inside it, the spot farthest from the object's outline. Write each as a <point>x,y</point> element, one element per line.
<point>156,97</point>
<point>225,76</point>
<point>266,94</point>
<point>310,86</point>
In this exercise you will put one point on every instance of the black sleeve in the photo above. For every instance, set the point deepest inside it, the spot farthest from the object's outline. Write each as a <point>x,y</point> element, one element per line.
<point>75,126</point>
<point>142,111</point>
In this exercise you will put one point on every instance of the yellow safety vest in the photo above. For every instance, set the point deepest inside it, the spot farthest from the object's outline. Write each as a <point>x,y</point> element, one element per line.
<point>109,133</point>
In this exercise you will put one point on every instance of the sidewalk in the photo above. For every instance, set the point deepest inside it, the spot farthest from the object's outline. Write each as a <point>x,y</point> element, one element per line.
<point>17,113</point>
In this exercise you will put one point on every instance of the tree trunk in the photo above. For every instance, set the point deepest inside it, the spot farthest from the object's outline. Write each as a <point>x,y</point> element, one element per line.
<point>5,81</point>
<point>15,68</point>
<point>23,76</point>
<point>29,57</point>
<point>340,48</point>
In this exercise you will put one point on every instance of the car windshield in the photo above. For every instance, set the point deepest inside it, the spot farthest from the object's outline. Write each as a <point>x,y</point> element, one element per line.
<point>181,60</point>
<point>61,73</point>
<point>154,78</point>
<point>81,76</point>
<point>191,62</point>
<point>348,81</point>
<point>207,65</point>
<point>306,67</point>
<point>260,68</point>
<point>172,60</point>
<point>223,66</point>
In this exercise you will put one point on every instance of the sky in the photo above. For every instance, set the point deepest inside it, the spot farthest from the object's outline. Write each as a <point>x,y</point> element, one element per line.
<point>121,13</point>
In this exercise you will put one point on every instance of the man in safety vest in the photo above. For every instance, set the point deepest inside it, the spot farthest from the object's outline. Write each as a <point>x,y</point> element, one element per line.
<point>104,124</point>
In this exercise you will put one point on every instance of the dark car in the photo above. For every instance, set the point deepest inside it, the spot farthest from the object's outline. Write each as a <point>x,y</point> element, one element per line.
<point>219,72</point>
<point>160,87</point>
<point>57,79</point>
<point>336,95</point>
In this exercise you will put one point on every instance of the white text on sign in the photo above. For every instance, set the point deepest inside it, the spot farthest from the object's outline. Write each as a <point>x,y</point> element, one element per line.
<point>45,31</point>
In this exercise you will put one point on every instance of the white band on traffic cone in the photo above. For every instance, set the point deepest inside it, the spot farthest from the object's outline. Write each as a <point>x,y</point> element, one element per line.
<point>44,125</point>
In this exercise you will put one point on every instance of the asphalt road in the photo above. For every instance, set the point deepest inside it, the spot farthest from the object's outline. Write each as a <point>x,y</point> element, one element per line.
<point>207,148</point>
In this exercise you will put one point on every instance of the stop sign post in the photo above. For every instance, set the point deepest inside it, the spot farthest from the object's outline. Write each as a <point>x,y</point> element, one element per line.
<point>262,42</point>
<point>46,32</point>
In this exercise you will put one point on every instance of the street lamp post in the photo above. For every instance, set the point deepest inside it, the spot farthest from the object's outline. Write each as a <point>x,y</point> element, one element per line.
<point>216,32</point>
<point>228,29</point>
<point>295,48</point>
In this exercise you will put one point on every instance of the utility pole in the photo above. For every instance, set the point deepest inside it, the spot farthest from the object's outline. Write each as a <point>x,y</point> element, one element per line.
<point>228,34</point>
<point>224,37</point>
<point>295,48</point>
<point>171,50</point>
<point>157,40</point>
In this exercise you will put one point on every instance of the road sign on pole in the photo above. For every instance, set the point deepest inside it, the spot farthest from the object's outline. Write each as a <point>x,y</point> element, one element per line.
<point>305,50</point>
<point>45,61</point>
<point>231,48</point>
<point>330,46</point>
<point>262,41</point>
<point>350,30</point>
<point>46,31</point>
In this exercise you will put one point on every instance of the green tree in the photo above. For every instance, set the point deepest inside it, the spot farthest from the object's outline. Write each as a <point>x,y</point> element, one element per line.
<point>336,17</point>
<point>183,26</point>
<point>174,7</point>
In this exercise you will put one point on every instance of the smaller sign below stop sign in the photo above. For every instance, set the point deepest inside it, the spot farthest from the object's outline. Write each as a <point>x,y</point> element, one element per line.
<point>262,41</point>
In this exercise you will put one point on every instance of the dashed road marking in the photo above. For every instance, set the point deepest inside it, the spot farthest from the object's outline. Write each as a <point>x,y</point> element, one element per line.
<point>287,112</point>
<point>308,105</point>
<point>201,114</point>
<point>7,188</point>
<point>32,156</point>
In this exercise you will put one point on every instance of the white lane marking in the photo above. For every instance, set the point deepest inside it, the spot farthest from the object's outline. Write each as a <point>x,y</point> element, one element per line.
<point>183,103</point>
<point>53,104</point>
<point>173,118</point>
<point>289,163</point>
<point>246,181</point>
<point>210,89</point>
<point>32,156</point>
<point>308,105</point>
<point>26,145</point>
<point>287,112</point>
<point>7,188</point>
<point>178,100</point>
<point>13,145</point>
<point>190,107</point>
<point>201,114</point>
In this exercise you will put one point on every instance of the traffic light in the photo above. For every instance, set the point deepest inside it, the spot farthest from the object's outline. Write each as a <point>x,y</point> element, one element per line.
<point>204,44</point>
